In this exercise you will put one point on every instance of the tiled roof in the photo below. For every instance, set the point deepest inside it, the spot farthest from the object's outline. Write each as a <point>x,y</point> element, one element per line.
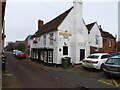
<point>29,36</point>
<point>107,35</point>
<point>53,25</point>
<point>90,26</point>
<point>103,33</point>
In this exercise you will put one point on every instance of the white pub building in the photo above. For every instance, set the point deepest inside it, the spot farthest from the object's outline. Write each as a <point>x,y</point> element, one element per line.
<point>64,36</point>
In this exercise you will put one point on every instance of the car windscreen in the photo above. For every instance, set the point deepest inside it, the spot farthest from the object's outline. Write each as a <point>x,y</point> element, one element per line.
<point>93,56</point>
<point>113,61</point>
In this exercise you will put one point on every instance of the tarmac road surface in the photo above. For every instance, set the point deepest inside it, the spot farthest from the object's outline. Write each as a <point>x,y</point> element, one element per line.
<point>23,75</point>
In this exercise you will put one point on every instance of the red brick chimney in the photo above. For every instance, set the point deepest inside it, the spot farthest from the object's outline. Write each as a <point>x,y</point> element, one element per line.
<point>40,24</point>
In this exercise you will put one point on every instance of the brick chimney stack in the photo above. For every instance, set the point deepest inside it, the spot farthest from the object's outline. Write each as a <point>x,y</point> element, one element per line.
<point>40,24</point>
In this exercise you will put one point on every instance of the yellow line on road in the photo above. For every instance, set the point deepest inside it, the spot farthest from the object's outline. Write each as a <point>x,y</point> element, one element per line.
<point>116,84</point>
<point>105,82</point>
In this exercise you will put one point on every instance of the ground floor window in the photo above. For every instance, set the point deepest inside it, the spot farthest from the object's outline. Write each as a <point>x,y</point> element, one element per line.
<point>45,55</point>
<point>50,56</point>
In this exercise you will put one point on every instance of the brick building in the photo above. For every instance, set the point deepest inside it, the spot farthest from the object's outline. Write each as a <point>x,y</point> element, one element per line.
<point>109,42</point>
<point>118,46</point>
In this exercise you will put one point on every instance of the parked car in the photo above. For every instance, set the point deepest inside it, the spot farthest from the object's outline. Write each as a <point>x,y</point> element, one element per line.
<point>21,55</point>
<point>16,52</point>
<point>114,53</point>
<point>3,62</point>
<point>112,66</point>
<point>95,60</point>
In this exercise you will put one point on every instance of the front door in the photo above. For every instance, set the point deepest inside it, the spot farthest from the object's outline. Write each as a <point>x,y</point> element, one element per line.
<point>82,54</point>
<point>50,56</point>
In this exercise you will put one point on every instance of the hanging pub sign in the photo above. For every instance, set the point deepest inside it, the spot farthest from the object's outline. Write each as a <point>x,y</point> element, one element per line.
<point>65,34</point>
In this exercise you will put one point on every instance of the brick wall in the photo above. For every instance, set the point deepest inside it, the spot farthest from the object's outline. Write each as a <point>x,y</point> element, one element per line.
<point>26,47</point>
<point>109,45</point>
<point>118,47</point>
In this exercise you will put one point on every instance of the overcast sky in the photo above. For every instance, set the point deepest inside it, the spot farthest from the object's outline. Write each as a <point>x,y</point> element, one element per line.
<point>21,16</point>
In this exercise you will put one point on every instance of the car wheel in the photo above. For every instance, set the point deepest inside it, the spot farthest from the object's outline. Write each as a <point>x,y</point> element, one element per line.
<point>101,68</point>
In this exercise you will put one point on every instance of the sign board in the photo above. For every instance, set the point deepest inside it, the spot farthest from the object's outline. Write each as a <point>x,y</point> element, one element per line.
<point>65,34</point>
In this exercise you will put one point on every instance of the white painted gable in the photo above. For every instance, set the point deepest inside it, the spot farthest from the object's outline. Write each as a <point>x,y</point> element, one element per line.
<point>95,34</point>
<point>74,24</point>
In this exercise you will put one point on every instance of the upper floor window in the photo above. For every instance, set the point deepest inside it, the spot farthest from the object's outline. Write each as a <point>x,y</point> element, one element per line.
<point>110,44</point>
<point>97,41</point>
<point>44,39</point>
<point>51,39</point>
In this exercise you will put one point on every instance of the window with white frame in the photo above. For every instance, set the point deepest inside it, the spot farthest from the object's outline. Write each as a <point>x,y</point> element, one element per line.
<point>110,44</point>
<point>50,56</point>
<point>51,39</point>
<point>44,39</point>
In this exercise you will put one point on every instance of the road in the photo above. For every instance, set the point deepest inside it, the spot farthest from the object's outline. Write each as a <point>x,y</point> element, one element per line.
<point>22,75</point>
<point>32,74</point>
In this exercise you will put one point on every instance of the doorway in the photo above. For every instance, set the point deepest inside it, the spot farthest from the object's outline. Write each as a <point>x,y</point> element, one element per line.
<point>82,54</point>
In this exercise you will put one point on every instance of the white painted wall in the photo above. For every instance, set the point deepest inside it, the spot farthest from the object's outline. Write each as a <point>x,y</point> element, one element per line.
<point>92,37</point>
<point>40,44</point>
<point>73,24</point>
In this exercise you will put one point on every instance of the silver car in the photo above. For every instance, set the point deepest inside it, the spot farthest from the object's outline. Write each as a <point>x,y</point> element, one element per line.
<point>112,66</point>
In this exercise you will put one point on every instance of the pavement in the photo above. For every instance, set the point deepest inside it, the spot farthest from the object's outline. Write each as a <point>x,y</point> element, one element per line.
<point>71,75</point>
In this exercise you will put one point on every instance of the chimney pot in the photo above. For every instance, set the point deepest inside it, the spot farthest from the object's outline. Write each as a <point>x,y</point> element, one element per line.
<point>100,26</point>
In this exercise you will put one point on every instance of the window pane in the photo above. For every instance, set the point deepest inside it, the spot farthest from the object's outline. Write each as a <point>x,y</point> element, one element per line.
<point>113,61</point>
<point>65,50</point>
<point>51,39</point>
<point>105,56</point>
<point>93,56</point>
